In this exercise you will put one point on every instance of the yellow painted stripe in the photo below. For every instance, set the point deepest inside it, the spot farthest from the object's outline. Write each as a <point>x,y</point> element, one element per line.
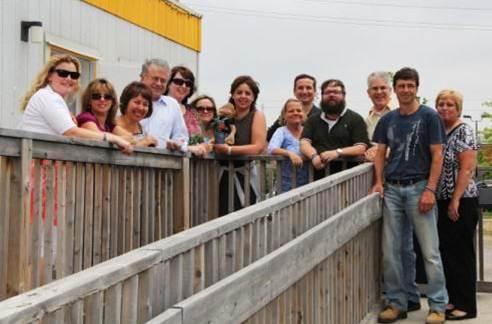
<point>159,16</point>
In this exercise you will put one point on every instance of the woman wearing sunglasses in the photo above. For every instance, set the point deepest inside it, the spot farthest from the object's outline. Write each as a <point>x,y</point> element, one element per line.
<point>45,108</point>
<point>181,86</point>
<point>99,107</point>
<point>207,112</point>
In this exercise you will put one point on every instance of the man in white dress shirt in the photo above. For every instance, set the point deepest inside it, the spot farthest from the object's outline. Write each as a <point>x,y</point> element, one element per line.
<point>166,123</point>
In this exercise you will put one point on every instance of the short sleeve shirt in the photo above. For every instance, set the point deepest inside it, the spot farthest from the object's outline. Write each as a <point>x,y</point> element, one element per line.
<point>283,138</point>
<point>459,140</point>
<point>409,138</point>
<point>88,116</point>
<point>47,113</point>
<point>350,129</point>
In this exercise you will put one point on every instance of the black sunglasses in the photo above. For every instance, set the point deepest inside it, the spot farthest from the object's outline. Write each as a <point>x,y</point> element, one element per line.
<point>205,109</point>
<point>100,96</point>
<point>180,82</point>
<point>64,73</point>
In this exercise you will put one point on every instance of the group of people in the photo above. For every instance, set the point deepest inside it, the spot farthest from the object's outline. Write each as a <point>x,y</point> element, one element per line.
<point>424,162</point>
<point>424,158</point>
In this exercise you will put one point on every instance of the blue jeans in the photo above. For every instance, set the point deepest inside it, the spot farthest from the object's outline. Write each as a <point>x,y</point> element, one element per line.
<point>401,212</point>
<point>409,258</point>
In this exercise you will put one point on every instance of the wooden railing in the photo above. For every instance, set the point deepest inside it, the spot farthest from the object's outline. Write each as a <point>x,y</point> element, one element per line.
<point>68,204</point>
<point>329,274</point>
<point>142,283</point>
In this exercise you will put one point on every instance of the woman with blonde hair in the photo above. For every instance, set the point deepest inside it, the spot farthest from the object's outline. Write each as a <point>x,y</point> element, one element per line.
<point>285,142</point>
<point>457,204</point>
<point>45,108</point>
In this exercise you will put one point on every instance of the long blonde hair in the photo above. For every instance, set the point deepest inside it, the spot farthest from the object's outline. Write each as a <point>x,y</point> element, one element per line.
<point>41,79</point>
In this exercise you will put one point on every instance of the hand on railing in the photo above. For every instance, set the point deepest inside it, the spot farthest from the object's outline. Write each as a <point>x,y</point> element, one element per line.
<point>370,154</point>
<point>122,144</point>
<point>199,150</point>
<point>295,159</point>
<point>173,145</point>
<point>318,163</point>
<point>147,141</point>
<point>378,187</point>
<point>328,156</point>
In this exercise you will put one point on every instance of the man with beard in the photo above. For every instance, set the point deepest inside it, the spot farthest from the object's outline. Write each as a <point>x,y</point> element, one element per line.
<point>337,132</point>
<point>305,92</point>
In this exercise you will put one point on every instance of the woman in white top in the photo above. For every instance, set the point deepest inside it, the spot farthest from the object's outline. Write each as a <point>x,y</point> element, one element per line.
<point>45,109</point>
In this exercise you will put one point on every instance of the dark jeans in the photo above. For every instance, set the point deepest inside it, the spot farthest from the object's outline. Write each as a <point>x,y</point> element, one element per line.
<point>458,253</point>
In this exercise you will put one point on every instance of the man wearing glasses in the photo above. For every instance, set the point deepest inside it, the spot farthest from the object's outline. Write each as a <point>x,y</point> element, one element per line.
<point>337,132</point>
<point>166,123</point>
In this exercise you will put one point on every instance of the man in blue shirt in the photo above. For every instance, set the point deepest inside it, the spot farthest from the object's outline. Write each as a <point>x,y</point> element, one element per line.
<point>415,136</point>
<point>166,123</point>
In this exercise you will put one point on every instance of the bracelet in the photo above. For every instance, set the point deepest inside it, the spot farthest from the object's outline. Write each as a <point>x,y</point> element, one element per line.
<point>430,189</point>
<point>313,156</point>
<point>229,150</point>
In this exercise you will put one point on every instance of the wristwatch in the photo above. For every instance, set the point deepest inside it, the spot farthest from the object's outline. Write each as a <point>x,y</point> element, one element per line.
<point>313,156</point>
<point>339,152</point>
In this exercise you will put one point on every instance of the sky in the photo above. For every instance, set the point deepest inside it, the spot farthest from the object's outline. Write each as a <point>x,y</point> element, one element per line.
<point>448,42</point>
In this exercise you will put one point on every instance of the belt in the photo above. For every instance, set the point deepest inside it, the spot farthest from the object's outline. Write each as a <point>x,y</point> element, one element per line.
<point>404,182</point>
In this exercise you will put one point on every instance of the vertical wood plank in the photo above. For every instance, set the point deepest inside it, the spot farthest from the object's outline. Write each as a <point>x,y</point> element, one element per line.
<point>69,234</point>
<point>129,301</point>
<point>145,221</point>
<point>49,239</point>
<point>136,224</point>
<point>199,271</point>
<point>112,304</point>
<point>78,252</point>
<point>144,304</point>
<point>61,229</point>
<point>151,206</point>
<point>106,212</point>
<point>89,215</point>
<point>94,308</point>
<point>99,185</point>
<point>25,218</point>
<point>4,223</point>
<point>182,200</point>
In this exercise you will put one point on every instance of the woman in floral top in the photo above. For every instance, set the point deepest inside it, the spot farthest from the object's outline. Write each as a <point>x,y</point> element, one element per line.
<point>457,198</point>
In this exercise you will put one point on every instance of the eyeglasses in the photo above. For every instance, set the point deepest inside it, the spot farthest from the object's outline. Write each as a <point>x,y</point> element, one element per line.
<point>180,82</point>
<point>64,74</point>
<point>333,92</point>
<point>100,96</point>
<point>205,109</point>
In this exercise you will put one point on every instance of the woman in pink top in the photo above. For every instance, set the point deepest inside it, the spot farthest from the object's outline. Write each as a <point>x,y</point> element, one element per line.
<point>99,107</point>
<point>181,86</point>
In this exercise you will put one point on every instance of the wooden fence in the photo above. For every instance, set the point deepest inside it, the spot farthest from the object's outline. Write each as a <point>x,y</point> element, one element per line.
<point>69,204</point>
<point>142,283</point>
<point>329,274</point>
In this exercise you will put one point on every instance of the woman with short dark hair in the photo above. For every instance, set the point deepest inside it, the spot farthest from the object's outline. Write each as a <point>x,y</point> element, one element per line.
<point>135,105</point>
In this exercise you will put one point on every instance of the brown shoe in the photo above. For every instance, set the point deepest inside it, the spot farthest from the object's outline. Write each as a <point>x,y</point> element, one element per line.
<point>435,317</point>
<point>391,314</point>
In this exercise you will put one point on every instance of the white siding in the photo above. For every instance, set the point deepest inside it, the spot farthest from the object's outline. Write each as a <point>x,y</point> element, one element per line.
<point>121,46</point>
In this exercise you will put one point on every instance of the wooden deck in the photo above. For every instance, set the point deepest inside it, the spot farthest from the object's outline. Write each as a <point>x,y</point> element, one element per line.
<point>484,313</point>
